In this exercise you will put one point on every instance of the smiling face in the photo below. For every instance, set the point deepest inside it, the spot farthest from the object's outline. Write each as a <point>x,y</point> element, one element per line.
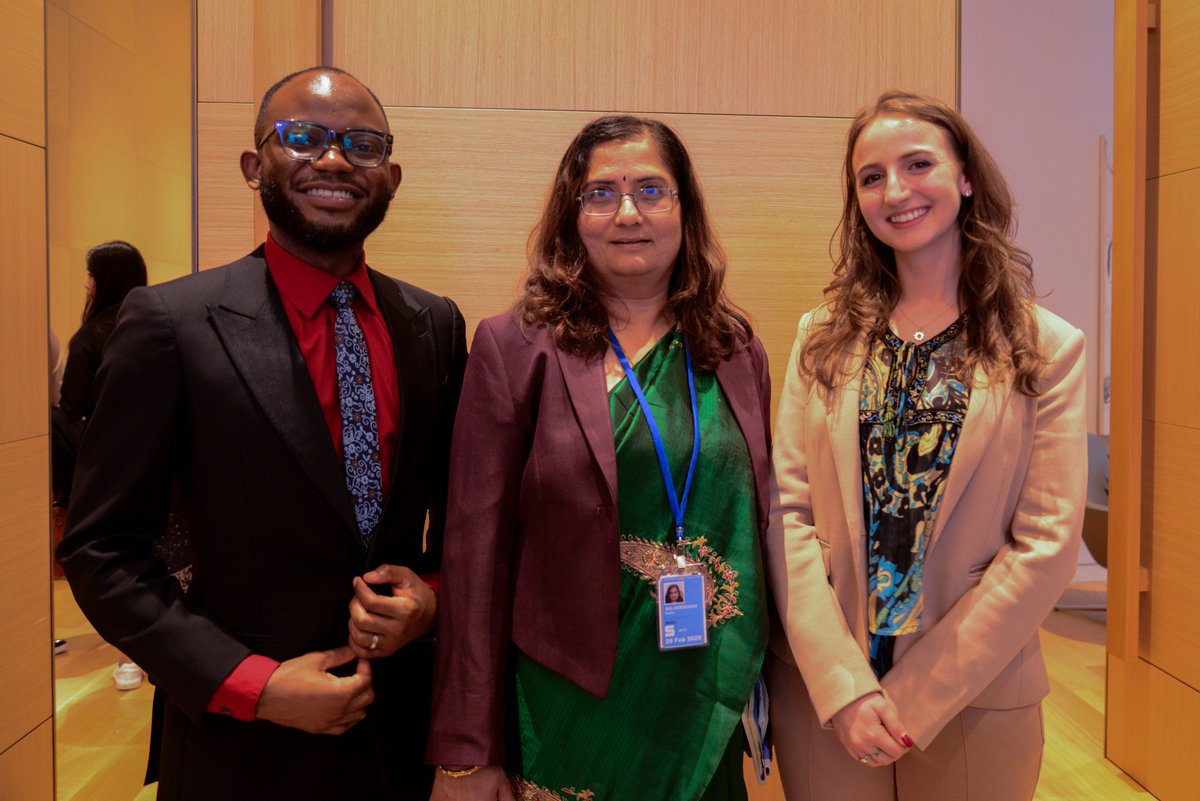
<point>909,184</point>
<point>328,206</point>
<point>630,252</point>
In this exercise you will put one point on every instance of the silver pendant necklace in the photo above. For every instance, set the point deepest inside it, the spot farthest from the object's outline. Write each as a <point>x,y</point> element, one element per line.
<point>919,330</point>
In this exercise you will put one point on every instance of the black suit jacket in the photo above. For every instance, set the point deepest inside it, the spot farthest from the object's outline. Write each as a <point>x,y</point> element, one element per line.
<point>203,385</point>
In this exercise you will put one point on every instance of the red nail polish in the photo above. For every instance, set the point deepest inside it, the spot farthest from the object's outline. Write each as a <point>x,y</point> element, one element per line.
<point>908,741</point>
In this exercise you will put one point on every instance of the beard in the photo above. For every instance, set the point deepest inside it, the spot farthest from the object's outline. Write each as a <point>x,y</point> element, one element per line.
<point>320,237</point>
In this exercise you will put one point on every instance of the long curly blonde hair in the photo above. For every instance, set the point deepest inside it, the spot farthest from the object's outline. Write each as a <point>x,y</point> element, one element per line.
<point>995,285</point>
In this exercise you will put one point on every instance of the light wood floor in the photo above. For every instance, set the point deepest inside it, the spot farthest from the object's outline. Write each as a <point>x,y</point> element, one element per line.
<point>103,734</point>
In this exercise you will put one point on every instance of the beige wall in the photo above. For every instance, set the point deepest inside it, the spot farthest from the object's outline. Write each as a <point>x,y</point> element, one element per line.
<point>484,96</point>
<point>1041,116</point>
<point>119,125</point>
<point>26,723</point>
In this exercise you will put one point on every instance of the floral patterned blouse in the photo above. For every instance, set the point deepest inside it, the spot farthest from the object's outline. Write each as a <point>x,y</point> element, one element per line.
<point>911,410</point>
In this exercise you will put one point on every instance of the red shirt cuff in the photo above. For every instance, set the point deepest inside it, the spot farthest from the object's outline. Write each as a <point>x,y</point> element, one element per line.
<point>434,581</point>
<point>238,695</point>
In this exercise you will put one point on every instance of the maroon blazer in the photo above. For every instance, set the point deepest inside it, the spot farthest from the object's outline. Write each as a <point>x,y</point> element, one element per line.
<point>531,546</point>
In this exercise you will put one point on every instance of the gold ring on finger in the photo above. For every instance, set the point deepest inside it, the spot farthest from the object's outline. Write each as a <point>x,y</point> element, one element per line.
<point>374,642</point>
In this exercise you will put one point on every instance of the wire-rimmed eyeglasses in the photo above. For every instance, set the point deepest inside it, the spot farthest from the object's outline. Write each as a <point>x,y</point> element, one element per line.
<point>648,199</point>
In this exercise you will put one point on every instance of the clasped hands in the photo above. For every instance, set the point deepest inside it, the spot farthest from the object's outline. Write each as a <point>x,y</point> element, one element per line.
<point>303,694</point>
<point>871,732</point>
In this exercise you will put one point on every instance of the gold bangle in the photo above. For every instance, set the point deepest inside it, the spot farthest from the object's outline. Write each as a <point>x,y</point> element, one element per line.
<point>458,774</point>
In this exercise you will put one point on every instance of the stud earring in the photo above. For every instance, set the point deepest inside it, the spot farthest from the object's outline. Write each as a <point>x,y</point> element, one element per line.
<point>967,192</point>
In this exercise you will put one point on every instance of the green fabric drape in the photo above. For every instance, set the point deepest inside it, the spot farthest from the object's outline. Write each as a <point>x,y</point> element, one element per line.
<point>670,727</point>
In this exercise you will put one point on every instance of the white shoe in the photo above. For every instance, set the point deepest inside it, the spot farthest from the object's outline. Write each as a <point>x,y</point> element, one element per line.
<point>128,676</point>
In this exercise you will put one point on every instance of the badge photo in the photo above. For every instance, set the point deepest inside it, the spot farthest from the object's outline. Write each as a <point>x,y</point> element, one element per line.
<point>682,612</point>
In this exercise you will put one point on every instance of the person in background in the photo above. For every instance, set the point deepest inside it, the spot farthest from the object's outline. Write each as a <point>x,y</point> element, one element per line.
<point>300,405</point>
<point>612,434</point>
<point>113,270</point>
<point>929,455</point>
<point>57,363</point>
<point>58,512</point>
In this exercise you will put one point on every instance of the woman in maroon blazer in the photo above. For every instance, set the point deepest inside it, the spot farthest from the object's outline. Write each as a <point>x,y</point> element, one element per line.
<point>556,675</point>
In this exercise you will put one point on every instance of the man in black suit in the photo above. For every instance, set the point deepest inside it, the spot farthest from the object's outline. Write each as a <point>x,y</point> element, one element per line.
<point>300,406</point>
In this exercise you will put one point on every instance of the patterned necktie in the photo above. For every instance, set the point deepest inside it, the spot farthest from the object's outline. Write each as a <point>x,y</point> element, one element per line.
<point>356,397</point>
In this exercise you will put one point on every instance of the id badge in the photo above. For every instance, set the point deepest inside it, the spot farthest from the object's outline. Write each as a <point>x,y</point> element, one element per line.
<point>682,612</point>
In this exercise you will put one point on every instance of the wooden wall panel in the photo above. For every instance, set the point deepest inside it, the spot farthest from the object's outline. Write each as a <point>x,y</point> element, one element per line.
<point>1154,683</point>
<point>225,206</point>
<point>120,139</point>
<point>24,587</point>
<point>817,58</point>
<point>100,97</point>
<point>1164,722</point>
<point>225,51</point>
<point>244,46</point>
<point>1170,637</point>
<point>773,192</point>
<point>23,338</point>
<point>58,68</point>
<point>163,35</point>
<point>112,19</point>
<point>1173,326</point>
<point>26,700</point>
<point>287,37</point>
<point>1179,109</point>
<point>474,183</point>
<point>1129,259</point>
<point>23,102</point>
<point>27,768</point>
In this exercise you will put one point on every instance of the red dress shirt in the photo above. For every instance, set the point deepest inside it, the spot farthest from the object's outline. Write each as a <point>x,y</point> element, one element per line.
<point>305,290</point>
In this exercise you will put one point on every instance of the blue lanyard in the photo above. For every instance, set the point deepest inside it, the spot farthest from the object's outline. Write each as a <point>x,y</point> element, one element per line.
<point>677,506</point>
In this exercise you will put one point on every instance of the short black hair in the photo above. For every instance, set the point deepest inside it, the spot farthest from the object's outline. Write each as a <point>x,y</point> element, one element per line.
<point>261,122</point>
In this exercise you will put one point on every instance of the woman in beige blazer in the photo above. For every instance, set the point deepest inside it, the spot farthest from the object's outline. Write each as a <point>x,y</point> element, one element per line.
<point>930,456</point>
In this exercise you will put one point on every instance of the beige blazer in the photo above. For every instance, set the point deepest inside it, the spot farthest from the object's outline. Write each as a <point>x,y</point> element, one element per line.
<point>1004,544</point>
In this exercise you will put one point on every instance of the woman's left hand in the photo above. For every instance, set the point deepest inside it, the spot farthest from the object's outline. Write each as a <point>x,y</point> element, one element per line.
<point>871,731</point>
<point>380,625</point>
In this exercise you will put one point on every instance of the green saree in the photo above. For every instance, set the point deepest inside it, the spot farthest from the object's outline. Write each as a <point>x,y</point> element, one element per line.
<point>670,727</point>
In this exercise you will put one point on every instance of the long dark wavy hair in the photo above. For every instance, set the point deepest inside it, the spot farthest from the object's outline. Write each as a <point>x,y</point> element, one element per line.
<point>115,267</point>
<point>561,290</point>
<point>995,285</point>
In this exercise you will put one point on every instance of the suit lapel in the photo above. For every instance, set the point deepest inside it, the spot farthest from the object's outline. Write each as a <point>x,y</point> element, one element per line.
<point>411,327</point>
<point>841,407</point>
<point>740,386</point>
<point>589,397</point>
<point>984,411</point>
<point>412,342</point>
<point>254,329</point>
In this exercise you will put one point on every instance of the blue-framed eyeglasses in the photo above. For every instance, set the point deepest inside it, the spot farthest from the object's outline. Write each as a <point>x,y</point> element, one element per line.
<point>309,141</point>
